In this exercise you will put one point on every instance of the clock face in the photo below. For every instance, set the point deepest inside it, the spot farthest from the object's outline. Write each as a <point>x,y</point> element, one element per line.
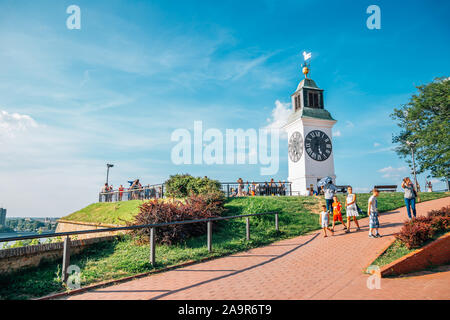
<point>318,145</point>
<point>295,146</point>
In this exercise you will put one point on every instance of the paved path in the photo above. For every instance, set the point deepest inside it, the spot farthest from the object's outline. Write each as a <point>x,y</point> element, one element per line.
<point>305,267</point>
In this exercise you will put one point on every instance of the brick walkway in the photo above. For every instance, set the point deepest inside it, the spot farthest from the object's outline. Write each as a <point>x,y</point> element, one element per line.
<point>305,267</point>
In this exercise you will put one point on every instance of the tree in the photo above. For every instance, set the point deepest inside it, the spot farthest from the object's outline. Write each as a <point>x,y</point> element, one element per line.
<point>425,121</point>
<point>183,185</point>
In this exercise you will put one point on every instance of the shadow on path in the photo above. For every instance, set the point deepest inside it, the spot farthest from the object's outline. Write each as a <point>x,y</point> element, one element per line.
<point>234,273</point>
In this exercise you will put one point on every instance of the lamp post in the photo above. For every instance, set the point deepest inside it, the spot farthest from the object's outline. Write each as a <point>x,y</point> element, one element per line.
<point>412,145</point>
<point>108,165</point>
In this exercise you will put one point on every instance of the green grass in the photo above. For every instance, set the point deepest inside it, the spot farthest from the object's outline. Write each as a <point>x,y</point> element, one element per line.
<point>122,257</point>
<point>398,249</point>
<point>107,212</point>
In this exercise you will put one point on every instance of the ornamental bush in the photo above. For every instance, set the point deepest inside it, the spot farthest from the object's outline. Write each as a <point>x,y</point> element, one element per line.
<point>183,185</point>
<point>414,233</point>
<point>192,208</point>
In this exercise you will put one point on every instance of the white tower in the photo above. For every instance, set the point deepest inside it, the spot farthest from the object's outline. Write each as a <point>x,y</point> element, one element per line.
<point>310,137</point>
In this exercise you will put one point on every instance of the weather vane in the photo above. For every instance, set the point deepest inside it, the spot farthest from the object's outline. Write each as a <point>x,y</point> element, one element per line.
<point>306,57</point>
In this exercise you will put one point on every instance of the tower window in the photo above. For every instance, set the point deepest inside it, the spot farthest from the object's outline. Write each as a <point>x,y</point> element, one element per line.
<point>316,100</point>
<point>313,100</point>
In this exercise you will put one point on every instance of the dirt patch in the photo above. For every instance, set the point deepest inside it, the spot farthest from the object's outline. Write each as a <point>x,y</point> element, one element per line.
<point>314,204</point>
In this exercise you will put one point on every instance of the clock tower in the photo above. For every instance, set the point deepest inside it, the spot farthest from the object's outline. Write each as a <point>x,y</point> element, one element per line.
<point>310,137</point>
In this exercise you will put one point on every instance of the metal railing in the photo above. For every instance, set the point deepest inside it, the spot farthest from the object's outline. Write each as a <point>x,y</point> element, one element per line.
<point>235,189</point>
<point>155,191</point>
<point>230,189</point>
<point>152,229</point>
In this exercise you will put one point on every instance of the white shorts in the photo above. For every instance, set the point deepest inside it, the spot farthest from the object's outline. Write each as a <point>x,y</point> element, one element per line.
<point>324,223</point>
<point>352,211</point>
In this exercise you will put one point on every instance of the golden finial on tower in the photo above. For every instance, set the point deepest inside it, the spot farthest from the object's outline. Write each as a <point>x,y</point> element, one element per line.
<point>306,57</point>
<point>305,69</point>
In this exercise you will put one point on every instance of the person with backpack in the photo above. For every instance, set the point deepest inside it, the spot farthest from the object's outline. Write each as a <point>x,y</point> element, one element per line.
<point>329,191</point>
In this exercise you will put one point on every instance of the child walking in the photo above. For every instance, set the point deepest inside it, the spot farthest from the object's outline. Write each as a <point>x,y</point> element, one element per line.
<point>323,220</point>
<point>337,212</point>
<point>373,214</point>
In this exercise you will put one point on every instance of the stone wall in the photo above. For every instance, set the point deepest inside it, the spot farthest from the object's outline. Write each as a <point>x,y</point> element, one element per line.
<point>14,259</point>
<point>67,226</point>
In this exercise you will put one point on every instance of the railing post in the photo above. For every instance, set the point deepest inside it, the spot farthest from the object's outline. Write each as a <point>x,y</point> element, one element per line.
<point>228,190</point>
<point>152,246</point>
<point>247,227</point>
<point>276,222</point>
<point>66,258</point>
<point>209,236</point>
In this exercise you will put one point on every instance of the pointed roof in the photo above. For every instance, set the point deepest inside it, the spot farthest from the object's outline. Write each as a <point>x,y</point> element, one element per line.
<point>307,83</point>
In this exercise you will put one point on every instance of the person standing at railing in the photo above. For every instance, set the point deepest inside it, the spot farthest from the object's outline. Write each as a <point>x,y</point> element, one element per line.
<point>104,193</point>
<point>253,188</point>
<point>111,192</point>
<point>282,188</point>
<point>121,192</point>
<point>240,187</point>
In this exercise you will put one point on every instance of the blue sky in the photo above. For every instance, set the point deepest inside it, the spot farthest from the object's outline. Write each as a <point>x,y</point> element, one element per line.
<point>114,91</point>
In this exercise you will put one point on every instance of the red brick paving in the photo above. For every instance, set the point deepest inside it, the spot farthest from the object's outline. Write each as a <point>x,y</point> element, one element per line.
<point>305,267</point>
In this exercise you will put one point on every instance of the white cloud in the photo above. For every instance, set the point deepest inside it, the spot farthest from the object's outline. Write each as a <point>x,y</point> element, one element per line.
<point>337,133</point>
<point>349,124</point>
<point>393,173</point>
<point>280,115</point>
<point>376,144</point>
<point>11,123</point>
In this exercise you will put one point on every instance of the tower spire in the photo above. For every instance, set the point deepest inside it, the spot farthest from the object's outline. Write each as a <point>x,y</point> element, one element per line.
<point>305,69</point>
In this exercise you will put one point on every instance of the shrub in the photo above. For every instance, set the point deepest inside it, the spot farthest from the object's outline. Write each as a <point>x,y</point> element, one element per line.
<point>183,185</point>
<point>443,212</point>
<point>440,224</point>
<point>193,208</point>
<point>415,233</point>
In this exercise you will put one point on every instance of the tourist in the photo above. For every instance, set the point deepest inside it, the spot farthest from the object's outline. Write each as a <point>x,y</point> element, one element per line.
<point>111,192</point>
<point>240,187</point>
<point>121,192</point>
<point>253,188</point>
<point>429,187</point>
<point>329,190</point>
<point>272,186</point>
<point>323,220</point>
<point>337,213</point>
<point>104,193</point>
<point>372,211</point>
<point>160,192</point>
<point>266,189</point>
<point>247,190</point>
<point>410,197</point>
<point>351,209</point>
<point>282,188</point>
